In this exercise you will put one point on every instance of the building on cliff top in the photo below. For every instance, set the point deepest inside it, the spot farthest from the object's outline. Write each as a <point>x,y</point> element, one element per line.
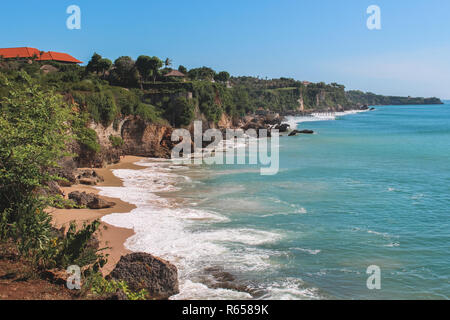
<point>33,53</point>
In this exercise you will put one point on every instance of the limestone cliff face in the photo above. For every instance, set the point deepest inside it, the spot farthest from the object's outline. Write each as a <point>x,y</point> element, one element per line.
<point>139,138</point>
<point>146,140</point>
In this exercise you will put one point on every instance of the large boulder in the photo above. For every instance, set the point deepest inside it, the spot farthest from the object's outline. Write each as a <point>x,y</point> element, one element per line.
<point>89,200</point>
<point>144,271</point>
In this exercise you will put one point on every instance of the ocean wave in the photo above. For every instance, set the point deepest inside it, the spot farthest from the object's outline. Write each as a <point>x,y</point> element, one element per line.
<point>313,252</point>
<point>291,289</point>
<point>293,121</point>
<point>187,237</point>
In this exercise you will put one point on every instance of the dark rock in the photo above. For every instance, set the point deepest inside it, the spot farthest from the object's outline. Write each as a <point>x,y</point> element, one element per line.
<point>144,271</point>
<point>284,127</point>
<point>81,198</point>
<point>99,203</point>
<point>89,200</point>
<point>216,277</point>
<point>295,132</point>
<point>88,177</point>
<point>56,276</point>
<point>87,181</point>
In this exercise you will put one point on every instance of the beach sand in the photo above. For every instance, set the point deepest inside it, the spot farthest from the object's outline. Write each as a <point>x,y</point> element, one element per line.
<point>109,236</point>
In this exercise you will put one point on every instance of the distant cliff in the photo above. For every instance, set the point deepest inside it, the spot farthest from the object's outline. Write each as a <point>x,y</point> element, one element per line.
<point>367,98</point>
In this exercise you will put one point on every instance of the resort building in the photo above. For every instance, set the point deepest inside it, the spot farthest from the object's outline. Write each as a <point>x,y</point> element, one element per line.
<point>26,53</point>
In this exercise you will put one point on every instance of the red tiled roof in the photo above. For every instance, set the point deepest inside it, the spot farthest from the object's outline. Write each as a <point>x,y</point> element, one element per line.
<point>26,52</point>
<point>23,52</point>
<point>58,56</point>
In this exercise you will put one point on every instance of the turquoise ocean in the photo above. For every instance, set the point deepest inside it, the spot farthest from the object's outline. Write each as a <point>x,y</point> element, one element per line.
<point>366,189</point>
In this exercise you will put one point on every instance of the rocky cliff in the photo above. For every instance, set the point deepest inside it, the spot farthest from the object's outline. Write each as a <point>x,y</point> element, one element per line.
<point>136,136</point>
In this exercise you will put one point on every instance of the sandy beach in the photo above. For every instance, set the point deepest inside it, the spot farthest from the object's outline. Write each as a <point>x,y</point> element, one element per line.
<point>109,236</point>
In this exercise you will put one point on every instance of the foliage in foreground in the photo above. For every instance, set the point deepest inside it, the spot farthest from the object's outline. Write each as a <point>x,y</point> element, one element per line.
<point>100,287</point>
<point>34,130</point>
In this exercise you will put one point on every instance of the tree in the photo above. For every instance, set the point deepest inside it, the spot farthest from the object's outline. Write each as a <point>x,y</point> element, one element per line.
<point>167,62</point>
<point>144,66</point>
<point>156,64</point>
<point>203,73</point>
<point>182,69</point>
<point>149,67</point>
<point>93,63</point>
<point>222,77</point>
<point>180,112</point>
<point>104,65</point>
<point>125,72</point>
<point>98,64</point>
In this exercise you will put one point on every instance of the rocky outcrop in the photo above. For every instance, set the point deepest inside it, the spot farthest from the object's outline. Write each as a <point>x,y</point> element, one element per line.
<point>140,138</point>
<point>296,132</point>
<point>144,271</point>
<point>146,140</point>
<point>89,200</point>
<point>282,128</point>
<point>88,177</point>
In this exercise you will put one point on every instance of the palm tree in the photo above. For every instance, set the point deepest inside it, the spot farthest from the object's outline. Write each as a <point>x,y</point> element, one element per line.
<point>168,62</point>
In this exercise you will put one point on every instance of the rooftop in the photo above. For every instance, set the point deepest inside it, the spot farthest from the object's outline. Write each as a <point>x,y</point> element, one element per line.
<point>26,52</point>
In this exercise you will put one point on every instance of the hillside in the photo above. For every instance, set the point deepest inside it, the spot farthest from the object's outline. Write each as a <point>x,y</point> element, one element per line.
<point>372,99</point>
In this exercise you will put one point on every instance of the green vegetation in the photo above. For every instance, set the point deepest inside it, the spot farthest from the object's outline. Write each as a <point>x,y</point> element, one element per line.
<point>371,99</point>
<point>34,126</point>
<point>100,287</point>
<point>106,92</point>
<point>116,141</point>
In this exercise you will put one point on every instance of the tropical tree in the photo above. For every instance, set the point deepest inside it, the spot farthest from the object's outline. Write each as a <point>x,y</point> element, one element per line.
<point>222,76</point>
<point>167,62</point>
<point>148,67</point>
<point>203,73</point>
<point>104,65</point>
<point>98,64</point>
<point>156,64</point>
<point>125,72</point>
<point>182,69</point>
<point>93,63</point>
<point>144,66</point>
<point>180,111</point>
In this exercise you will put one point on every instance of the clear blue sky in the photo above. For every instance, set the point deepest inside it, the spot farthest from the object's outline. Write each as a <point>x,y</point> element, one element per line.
<point>324,40</point>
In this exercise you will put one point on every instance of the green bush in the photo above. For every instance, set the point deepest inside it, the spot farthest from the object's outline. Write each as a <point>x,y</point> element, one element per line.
<point>102,107</point>
<point>87,137</point>
<point>116,141</point>
<point>148,113</point>
<point>100,287</point>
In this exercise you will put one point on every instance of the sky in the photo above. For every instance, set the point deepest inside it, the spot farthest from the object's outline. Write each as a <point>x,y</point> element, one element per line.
<point>323,40</point>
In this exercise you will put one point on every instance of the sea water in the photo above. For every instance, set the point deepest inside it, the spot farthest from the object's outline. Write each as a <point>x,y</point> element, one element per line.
<point>366,189</point>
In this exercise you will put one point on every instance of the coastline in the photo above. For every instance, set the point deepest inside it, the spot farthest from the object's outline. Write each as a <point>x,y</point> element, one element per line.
<point>109,236</point>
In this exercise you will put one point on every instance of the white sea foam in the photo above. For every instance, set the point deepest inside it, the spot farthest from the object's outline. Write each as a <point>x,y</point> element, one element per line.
<point>291,289</point>
<point>293,121</point>
<point>310,251</point>
<point>185,236</point>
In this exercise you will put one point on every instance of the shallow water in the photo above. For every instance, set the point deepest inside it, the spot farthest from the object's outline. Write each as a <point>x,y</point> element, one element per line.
<point>367,189</point>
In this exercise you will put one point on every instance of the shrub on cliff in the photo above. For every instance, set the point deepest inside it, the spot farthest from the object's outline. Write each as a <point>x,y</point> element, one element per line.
<point>180,112</point>
<point>102,107</point>
<point>148,113</point>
